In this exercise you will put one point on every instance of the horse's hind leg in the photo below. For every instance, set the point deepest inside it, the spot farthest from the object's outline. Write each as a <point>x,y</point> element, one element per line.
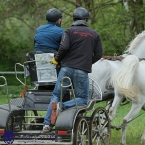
<point>116,102</point>
<point>143,136</point>
<point>136,107</point>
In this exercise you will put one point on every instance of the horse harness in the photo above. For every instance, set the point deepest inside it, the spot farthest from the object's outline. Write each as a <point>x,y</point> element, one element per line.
<point>118,57</point>
<point>113,57</point>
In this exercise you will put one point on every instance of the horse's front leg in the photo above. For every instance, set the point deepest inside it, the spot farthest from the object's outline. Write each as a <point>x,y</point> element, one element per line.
<point>116,102</point>
<point>123,137</point>
<point>143,138</point>
<point>136,106</point>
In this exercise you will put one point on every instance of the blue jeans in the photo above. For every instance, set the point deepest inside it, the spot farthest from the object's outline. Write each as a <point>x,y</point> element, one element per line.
<point>80,83</point>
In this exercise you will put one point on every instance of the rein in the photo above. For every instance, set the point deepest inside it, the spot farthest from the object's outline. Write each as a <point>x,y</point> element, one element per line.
<point>125,123</point>
<point>113,57</point>
<point>118,57</point>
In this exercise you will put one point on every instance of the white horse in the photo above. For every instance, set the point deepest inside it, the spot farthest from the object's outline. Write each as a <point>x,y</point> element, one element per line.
<point>129,81</point>
<point>101,72</point>
<point>104,68</point>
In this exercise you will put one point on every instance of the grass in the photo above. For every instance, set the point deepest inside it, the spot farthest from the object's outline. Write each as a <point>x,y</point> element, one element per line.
<point>3,100</point>
<point>135,128</point>
<point>13,92</point>
<point>134,131</point>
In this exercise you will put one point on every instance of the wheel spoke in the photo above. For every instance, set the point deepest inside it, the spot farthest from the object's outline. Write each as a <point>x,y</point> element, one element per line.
<point>83,126</point>
<point>94,137</point>
<point>85,131</point>
<point>99,119</point>
<point>102,139</point>
<point>98,140</point>
<point>81,134</point>
<point>105,124</point>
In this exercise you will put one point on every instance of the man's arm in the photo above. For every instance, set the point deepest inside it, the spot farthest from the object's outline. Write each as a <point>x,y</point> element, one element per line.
<point>64,47</point>
<point>98,52</point>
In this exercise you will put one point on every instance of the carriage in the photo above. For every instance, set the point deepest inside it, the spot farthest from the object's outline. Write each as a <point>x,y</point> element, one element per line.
<point>20,119</point>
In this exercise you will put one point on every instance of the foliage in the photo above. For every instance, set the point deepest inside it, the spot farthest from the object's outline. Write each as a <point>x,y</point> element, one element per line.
<point>117,23</point>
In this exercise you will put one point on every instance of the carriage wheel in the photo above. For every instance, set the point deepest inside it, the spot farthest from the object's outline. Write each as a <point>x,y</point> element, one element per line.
<point>81,132</point>
<point>100,127</point>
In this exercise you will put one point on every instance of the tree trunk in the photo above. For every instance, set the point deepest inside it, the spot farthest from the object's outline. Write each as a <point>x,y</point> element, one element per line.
<point>137,15</point>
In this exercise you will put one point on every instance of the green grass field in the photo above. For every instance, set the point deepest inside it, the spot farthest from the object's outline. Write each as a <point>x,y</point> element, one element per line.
<point>135,128</point>
<point>134,131</point>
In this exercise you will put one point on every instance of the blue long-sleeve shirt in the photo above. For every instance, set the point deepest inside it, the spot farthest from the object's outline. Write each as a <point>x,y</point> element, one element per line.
<point>48,37</point>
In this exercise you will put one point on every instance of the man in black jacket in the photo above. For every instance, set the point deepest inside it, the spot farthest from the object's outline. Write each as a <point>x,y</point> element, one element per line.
<point>80,47</point>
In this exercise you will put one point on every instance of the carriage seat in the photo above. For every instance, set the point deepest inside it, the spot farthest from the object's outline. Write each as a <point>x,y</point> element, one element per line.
<point>7,116</point>
<point>39,99</point>
<point>71,113</point>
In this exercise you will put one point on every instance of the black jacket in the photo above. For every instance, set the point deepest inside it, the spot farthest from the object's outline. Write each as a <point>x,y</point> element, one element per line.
<point>80,47</point>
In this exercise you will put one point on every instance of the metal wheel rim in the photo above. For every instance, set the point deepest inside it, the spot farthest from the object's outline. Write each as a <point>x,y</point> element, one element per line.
<point>100,127</point>
<point>82,133</point>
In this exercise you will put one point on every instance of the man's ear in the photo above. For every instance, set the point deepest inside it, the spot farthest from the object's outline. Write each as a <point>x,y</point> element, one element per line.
<point>58,21</point>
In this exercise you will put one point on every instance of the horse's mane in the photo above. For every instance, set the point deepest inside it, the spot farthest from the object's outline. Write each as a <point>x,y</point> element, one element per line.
<point>133,44</point>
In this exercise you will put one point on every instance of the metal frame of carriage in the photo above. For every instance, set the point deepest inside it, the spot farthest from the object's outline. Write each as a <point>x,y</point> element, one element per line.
<point>77,125</point>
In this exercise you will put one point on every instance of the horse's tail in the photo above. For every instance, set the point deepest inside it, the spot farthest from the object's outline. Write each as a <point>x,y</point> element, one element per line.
<point>123,79</point>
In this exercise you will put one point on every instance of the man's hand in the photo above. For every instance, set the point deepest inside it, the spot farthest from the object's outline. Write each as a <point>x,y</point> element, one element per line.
<point>53,61</point>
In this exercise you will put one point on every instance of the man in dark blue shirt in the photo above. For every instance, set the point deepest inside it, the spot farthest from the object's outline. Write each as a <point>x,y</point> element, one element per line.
<point>48,36</point>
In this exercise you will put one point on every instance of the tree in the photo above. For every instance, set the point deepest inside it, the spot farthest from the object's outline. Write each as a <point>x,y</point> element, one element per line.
<point>116,21</point>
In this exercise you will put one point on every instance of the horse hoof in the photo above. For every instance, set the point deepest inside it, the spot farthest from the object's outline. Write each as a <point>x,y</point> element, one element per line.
<point>122,143</point>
